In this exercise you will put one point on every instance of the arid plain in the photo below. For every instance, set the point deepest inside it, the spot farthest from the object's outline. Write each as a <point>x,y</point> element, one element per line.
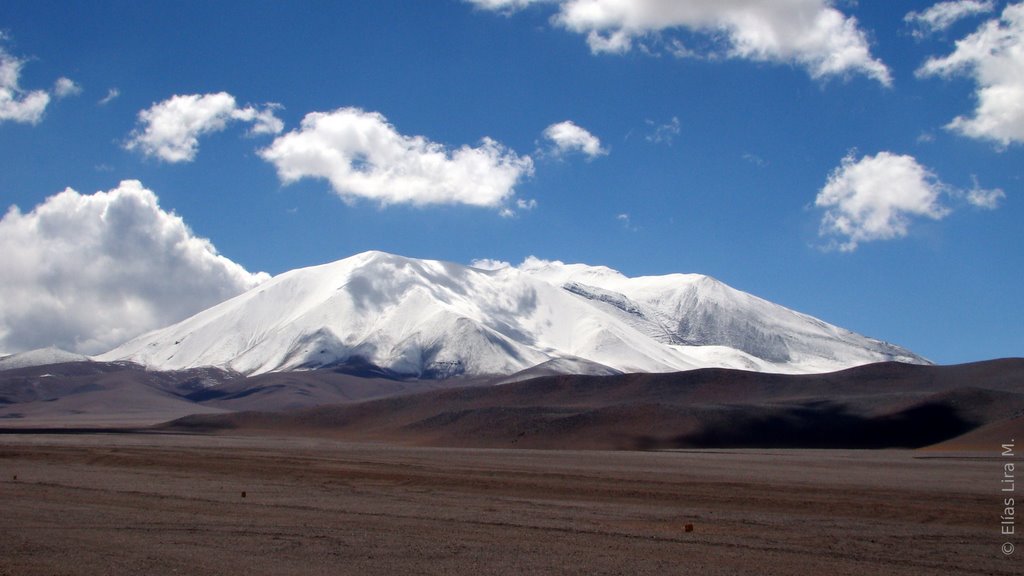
<point>171,503</point>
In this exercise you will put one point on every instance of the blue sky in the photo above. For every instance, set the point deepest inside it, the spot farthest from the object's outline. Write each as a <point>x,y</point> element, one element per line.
<point>808,152</point>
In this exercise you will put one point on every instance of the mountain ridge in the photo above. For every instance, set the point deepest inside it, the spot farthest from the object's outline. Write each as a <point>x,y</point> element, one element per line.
<point>430,318</point>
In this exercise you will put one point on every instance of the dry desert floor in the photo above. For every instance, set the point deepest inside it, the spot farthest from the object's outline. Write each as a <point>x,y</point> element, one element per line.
<point>196,504</point>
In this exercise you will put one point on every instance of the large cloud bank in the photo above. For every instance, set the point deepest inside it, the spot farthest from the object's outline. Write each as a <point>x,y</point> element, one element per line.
<point>87,272</point>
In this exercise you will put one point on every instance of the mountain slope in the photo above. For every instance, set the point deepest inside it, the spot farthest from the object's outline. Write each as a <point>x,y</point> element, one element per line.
<point>425,318</point>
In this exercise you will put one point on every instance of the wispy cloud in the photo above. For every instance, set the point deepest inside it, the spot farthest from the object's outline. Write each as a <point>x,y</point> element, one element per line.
<point>663,133</point>
<point>65,87</point>
<point>941,16</point>
<point>490,264</point>
<point>364,156</point>
<point>521,205</point>
<point>755,160</point>
<point>508,6</point>
<point>987,199</point>
<point>112,94</point>
<point>170,130</point>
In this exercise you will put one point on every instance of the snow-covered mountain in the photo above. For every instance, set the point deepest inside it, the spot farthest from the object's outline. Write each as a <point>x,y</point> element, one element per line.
<point>40,357</point>
<point>433,319</point>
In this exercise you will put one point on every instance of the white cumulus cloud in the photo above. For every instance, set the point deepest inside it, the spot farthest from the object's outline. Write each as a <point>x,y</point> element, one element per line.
<point>566,137</point>
<point>364,156</point>
<point>811,33</point>
<point>875,198</point>
<point>170,130</point>
<point>87,272</point>
<point>16,104</point>
<point>941,16</point>
<point>994,56</point>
